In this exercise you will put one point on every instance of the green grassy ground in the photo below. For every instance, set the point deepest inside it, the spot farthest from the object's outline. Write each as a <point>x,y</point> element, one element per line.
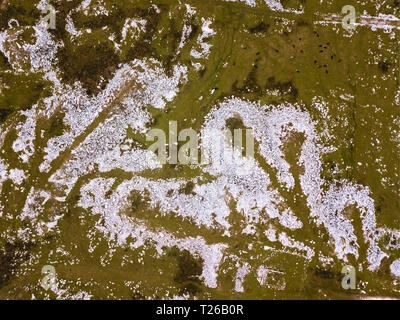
<point>255,51</point>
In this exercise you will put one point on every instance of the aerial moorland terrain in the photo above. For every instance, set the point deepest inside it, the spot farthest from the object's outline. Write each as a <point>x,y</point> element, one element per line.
<point>81,191</point>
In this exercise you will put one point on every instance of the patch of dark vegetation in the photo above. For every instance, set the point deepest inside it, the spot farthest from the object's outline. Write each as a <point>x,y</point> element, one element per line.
<point>302,23</point>
<point>25,12</point>
<point>194,32</point>
<point>153,121</point>
<point>292,144</point>
<point>188,272</point>
<point>388,201</point>
<point>21,92</point>
<point>284,88</point>
<point>322,278</point>
<point>252,85</point>
<point>384,66</point>
<point>11,256</point>
<point>172,170</point>
<point>94,62</point>
<point>63,8</point>
<point>234,123</point>
<point>325,274</point>
<point>4,113</point>
<point>164,49</point>
<point>379,203</point>
<point>187,188</point>
<point>115,19</point>
<point>202,72</point>
<point>4,63</point>
<point>172,38</point>
<point>251,81</point>
<point>88,63</point>
<point>142,48</point>
<point>139,202</point>
<point>384,267</point>
<point>71,208</point>
<point>57,125</point>
<point>284,3</point>
<point>262,27</point>
<point>168,63</point>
